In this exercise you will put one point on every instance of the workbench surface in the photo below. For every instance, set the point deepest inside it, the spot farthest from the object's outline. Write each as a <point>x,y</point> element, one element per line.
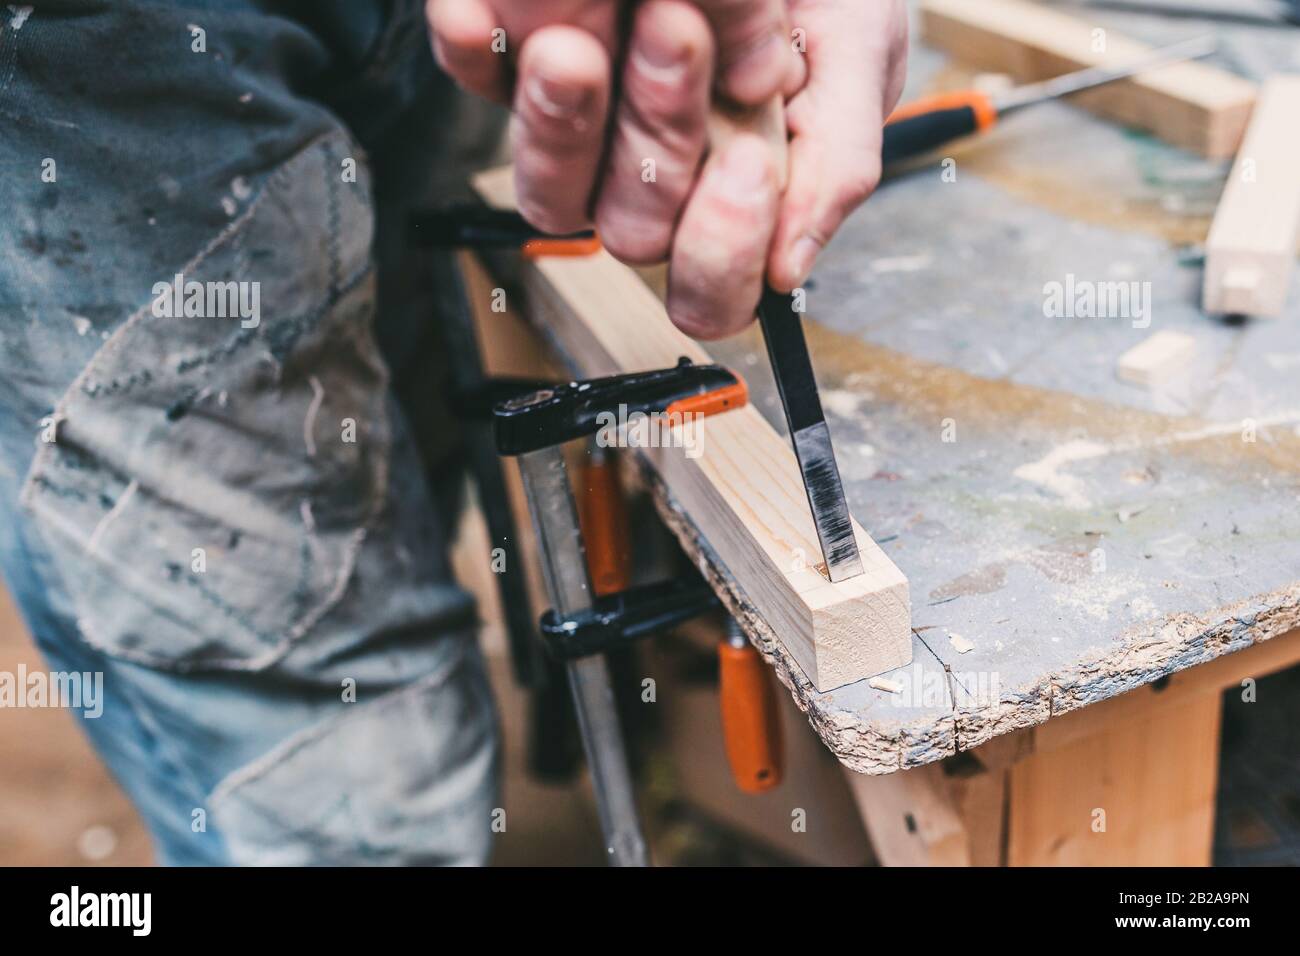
<point>1084,535</point>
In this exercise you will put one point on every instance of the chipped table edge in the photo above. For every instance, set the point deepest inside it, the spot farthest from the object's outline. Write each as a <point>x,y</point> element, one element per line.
<point>881,747</point>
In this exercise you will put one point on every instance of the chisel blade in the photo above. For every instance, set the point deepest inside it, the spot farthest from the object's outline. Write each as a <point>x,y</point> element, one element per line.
<point>787,349</point>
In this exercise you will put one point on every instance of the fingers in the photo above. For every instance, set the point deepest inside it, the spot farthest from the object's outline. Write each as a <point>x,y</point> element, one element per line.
<point>856,72</point>
<point>462,44</point>
<point>830,176</point>
<point>716,273</point>
<point>660,131</point>
<point>560,108</point>
<point>755,58</point>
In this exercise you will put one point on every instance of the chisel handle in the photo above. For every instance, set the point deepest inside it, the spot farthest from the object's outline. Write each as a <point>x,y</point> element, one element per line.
<point>726,120</point>
<point>934,121</point>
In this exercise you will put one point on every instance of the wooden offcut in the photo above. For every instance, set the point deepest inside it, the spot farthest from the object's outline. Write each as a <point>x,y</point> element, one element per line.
<point>743,492</point>
<point>1156,358</point>
<point>1250,253</point>
<point>1191,104</point>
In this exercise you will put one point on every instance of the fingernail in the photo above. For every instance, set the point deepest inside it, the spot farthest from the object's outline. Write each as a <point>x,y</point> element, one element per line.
<point>561,101</point>
<point>744,170</point>
<point>661,52</point>
<point>802,257</point>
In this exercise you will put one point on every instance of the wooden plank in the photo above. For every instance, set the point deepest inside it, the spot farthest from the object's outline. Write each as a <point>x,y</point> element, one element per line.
<point>1137,792</point>
<point>1250,252</point>
<point>1193,105</point>
<point>743,490</point>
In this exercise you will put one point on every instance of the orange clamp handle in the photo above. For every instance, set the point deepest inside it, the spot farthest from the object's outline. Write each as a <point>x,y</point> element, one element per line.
<point>603,518</point>
<point>751,728</point>
<point>711,403</point>
<point>560,247</point>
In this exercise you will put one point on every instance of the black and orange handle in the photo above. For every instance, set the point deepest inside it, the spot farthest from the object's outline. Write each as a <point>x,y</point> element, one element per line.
<point>751,728</point>
<point>932,121</point>
<point>474,226</point>
<point>602,515</point>
<point>561,413</point>
<point>566,247</point>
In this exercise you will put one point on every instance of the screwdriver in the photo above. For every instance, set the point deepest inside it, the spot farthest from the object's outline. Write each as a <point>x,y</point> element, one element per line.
<point>933,121</point>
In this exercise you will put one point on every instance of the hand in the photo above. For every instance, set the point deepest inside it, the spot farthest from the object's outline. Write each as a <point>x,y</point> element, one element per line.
<point>715,223</point>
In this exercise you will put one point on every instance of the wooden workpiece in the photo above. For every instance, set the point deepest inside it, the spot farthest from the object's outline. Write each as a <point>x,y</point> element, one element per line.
<point>1193,105</point>
<point>1251,250</point>
<point>743,493</point>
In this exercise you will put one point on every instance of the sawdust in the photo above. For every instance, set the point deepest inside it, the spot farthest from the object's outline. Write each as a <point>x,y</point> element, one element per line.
<point>928,392</point>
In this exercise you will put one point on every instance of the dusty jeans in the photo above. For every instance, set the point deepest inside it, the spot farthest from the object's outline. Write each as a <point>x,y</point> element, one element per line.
<point>224,474</point>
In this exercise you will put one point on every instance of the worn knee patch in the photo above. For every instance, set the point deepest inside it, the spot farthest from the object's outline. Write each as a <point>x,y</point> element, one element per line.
<point>409,778</point>
<point>212,476</point>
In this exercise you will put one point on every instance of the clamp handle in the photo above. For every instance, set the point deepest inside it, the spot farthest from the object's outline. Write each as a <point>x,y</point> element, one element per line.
<point>553,416</point>
<point>751,724</point>
<point>475,226</point>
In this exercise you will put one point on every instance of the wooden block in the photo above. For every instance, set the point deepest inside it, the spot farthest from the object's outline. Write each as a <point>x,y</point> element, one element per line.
<point>1156,358</point>
<point>1193,105</point>
<point>1250,252</point>
<point>743,491</point>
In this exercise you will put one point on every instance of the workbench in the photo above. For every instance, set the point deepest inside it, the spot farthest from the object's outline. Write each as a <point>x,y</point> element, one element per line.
<point>1091,563</point>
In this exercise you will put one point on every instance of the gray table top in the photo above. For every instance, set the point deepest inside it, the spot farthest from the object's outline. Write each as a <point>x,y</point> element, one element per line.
<point>1082,534</point>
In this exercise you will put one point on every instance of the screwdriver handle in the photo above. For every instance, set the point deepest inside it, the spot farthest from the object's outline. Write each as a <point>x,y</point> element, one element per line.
<point>933,121</point>
<point>751,728</point>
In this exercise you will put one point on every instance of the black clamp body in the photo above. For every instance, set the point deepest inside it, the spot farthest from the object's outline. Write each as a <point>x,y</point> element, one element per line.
<point>555,415</point>
<point>619,619</point>
<point>475,226</point>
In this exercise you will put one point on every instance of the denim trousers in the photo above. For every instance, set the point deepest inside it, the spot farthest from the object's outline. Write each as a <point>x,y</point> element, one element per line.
<point>227,480</point>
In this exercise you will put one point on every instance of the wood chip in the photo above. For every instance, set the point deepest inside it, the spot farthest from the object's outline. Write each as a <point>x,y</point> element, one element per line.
<point>1156,358</point>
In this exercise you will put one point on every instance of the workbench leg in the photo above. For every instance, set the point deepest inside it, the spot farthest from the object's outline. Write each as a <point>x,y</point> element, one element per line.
<point>1130,785</point>
<point>946,814</point>
<point>1136,791</point>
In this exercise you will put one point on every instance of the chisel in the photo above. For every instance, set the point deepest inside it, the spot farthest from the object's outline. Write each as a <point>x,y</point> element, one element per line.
<point>787,349</point>
<point>934,121</point>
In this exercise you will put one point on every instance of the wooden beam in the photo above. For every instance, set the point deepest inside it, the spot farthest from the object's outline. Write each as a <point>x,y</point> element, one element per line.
<point>743,491</point>
<point>1250,252</point>
<point>1193,105</point>
<point>1135,793</point>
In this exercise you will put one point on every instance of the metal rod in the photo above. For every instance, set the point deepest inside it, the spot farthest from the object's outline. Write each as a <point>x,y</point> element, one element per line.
<point>564,567</point>
<point>1080,80</point>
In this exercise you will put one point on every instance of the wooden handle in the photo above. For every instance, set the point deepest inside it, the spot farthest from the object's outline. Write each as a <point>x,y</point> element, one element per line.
<point>766,121</point>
